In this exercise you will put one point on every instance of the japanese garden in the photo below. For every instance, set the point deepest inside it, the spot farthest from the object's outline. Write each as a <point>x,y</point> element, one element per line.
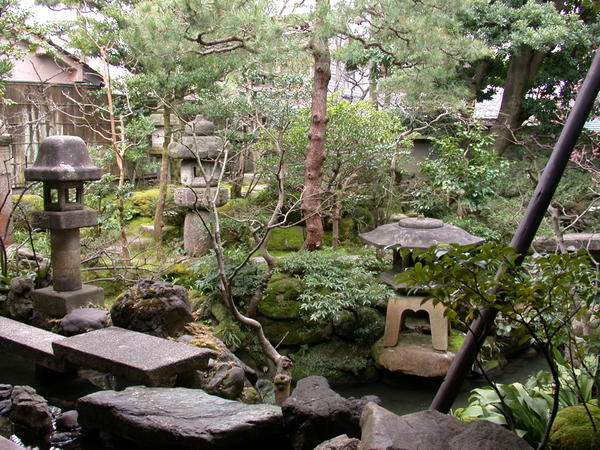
<point>291,224</point>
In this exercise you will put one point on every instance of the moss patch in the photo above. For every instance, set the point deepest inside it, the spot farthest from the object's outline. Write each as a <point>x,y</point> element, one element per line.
<point>28,203</point>
<point>280,300</point>
<point>287,238</point>
<point>295,332</point>
<point>341,362</point>
<point>573,430</point>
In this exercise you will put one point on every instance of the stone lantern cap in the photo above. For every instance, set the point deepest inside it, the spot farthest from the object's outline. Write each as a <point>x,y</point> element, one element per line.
<point>63,158</point>
<point>418,232</point>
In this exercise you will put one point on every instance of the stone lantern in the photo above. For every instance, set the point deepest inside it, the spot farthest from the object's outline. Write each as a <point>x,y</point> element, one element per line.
<point>199,151</point>
<point>63,165</point>
<point>414,233</point>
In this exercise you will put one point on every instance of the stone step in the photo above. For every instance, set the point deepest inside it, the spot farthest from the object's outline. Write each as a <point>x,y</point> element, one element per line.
<point>138,357</point>
<point>31,343</point>
<point>182,418</point>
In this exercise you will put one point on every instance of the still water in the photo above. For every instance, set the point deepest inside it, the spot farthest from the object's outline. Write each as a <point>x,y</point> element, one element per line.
<point>403,394</point>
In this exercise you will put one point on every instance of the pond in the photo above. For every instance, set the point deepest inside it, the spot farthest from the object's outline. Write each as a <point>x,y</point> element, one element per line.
<point>400,394</point>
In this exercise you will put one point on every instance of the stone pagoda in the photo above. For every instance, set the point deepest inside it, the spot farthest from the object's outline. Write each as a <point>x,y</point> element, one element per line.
<point>199,151</point>
<point>63,165</point>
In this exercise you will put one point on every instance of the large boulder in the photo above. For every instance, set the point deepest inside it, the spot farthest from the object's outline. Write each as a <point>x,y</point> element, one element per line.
<point>182,418</point>
<point>384,430</point>
<point>153,307</point>
<point>315,413</point>
<point>20,303</point>
<point>295,332</point>
<point>30,410</point>
<point>82,320</point>
<point>342,442</point>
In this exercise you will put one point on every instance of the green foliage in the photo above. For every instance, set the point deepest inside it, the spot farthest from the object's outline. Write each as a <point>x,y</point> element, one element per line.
<point>334,282</point>
<point>243,286</point>
<point>524,409</point>
<point>102,195</point>
<point>463,173</point>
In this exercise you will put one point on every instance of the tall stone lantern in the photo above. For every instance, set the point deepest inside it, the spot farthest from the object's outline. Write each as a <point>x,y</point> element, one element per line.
<point>63,165</point>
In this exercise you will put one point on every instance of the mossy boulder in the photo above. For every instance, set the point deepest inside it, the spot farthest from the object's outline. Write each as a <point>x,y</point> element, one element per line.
<point>182,274</point>
<point>280,300</point>
<point>286,239</point>
<point>341,362</point>
<point>573,429</point>
<point>227,329</point>
<point>295,332</point>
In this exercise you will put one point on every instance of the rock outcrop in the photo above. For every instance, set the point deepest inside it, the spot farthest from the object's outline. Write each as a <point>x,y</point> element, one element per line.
<point>153,307</point>
<point>315,413</point>
<point>384,430</point>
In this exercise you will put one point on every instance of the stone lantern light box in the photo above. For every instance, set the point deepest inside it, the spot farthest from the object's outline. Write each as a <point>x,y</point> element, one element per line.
<point>63,165</point>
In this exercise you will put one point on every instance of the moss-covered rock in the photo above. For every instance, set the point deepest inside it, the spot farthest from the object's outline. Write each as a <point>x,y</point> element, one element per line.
<point>573,429</point>
<point>227,329</point>
<point>283,239</point>
<point>280,300</point>
<point>295,332</point>
<point>182,274</point>
<point>341,362</point>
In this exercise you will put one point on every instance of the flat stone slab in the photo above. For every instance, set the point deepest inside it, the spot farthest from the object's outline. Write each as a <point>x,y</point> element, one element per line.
<point>138,357</point>
<point>31,343</point>
<point>182,418</point>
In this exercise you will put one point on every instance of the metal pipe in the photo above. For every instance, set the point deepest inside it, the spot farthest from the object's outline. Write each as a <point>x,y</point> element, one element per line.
<point>525,233</point>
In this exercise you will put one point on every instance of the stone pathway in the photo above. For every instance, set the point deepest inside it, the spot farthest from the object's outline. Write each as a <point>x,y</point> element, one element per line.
<point>138,357</point>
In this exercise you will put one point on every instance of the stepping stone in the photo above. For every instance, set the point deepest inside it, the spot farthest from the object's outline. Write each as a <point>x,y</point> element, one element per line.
<point>138,357</point>
<point>31,343</point>
<point>182,418</point>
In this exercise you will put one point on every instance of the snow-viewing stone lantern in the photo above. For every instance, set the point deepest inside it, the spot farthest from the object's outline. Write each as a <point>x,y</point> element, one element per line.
<point>410,355</point>
<point>63,165</point>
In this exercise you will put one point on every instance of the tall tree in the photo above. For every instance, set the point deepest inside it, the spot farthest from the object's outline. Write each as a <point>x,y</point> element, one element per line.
<point>315,151</point>
<point>541,51</point>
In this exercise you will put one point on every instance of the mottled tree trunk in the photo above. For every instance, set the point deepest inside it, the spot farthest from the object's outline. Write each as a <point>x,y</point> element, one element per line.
<point>523,66</point>
<point>163,181</point>
<point>315,152</point>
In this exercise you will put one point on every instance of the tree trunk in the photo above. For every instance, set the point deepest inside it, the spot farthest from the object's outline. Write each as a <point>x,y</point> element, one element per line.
<point>163,182</point>
<point>523,66</point>
<point>335,217</point>
<point>315,152</point>
<point>237,179</point>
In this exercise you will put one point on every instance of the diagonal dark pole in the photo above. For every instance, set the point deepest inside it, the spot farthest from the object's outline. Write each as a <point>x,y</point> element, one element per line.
<point>525,233</point>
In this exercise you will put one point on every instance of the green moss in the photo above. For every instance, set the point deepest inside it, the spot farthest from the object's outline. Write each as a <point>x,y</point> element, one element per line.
<point>286,238</point>
<point>28,203</point>
<point>339,361</point>
<point>295,332</point>
<point>250,396</point>
<point>455,340</point>
<point>280,300</point>
<point>144,202</point>
<point>182,274</point>
<point>573,430</point>
<point>133,227</point>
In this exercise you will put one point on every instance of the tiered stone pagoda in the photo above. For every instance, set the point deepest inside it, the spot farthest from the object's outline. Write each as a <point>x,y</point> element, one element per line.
<point>414,353</point>
<point>199,150</point>
<point>63,165</point>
